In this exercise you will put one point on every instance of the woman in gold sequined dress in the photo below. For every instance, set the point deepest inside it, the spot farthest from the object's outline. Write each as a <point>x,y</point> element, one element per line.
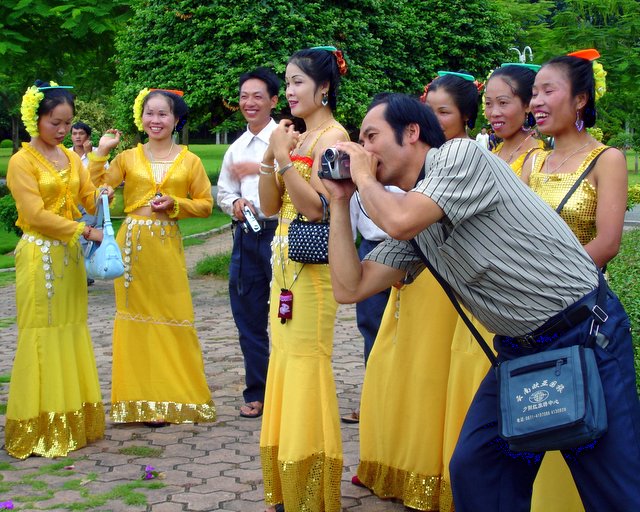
<point>563,104</point>
<point>300,442</point>
<point>55,404</point>
<point>158,372</point>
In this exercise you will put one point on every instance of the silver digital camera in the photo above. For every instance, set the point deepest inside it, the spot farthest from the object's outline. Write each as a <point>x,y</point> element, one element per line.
<point>251,223</point>
<point>335,165</point>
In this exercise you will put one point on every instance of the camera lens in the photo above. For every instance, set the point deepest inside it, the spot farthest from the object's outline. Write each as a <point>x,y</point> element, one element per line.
<point>331,154</point>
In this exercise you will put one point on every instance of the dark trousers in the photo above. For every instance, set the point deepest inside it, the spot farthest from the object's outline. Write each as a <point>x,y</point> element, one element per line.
<point>369,311</point>
<point>249,287</point>
<point>487,476</point>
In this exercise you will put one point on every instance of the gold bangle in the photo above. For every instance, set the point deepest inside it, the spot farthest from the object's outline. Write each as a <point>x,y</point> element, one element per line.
<point>285,168</point>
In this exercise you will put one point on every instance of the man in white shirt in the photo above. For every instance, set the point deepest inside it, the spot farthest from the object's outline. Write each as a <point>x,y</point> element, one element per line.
<point>483,138</point>
<point>250,269</point>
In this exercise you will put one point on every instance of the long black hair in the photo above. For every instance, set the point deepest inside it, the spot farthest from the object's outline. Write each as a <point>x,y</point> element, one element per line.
<point>322,66</point>
<point>463,92</point>
<point>580,74</point>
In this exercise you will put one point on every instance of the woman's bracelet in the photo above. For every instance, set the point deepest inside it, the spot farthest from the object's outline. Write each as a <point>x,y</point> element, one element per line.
<point>265,166</point>
<point>285,168</point>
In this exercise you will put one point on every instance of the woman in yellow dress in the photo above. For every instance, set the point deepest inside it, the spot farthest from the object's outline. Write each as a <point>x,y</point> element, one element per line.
<point>563,104</point>
<point>403,397</point>
<point>507,97</point>
<point>300,443</point>
<point>55,404</point>
<point>158,372</point>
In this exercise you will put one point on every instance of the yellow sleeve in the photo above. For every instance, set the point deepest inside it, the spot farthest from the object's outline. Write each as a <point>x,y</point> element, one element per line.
<point>199,202</point>
<point>103,174</point>
<point>32,214</point>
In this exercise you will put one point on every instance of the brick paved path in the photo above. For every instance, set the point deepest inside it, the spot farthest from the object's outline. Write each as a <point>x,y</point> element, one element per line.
<point>207,467</point>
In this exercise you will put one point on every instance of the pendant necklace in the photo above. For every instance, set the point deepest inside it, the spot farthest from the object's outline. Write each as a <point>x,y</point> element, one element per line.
<point>549,172</point>
<point>515,151</point>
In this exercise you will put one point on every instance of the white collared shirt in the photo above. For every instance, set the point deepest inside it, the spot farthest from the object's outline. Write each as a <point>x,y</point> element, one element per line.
<point>247,148</point>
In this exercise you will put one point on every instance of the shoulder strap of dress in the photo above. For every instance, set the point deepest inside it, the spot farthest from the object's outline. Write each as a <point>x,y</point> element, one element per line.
<point>590,161</point>
<point>315,141</point>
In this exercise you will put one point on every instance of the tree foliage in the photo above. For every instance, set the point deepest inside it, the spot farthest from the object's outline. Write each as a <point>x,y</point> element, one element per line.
<point>69,42</point>
<point>203,47</point>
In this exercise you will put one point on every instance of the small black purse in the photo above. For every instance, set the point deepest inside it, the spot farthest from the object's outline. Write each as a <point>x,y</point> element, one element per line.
<point>309,241</point>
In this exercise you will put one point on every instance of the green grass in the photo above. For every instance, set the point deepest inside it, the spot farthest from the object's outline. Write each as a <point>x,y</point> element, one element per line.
<point>211,156</point>
<point>216,265</point>
<point>624,273</point>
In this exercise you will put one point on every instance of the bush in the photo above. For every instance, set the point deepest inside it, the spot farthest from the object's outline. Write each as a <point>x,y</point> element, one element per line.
<point>216,265</point>
<point>624,273</point>
<point>9,214</point>
<point>633,197</point>
<point>6,143</point>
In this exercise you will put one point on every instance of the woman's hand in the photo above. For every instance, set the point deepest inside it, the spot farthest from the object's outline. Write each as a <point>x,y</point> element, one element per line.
<point>108,141</point>
<point>106,189</point>
<point>284,139</point>
<point>92,234</point>
<point>162,203</point>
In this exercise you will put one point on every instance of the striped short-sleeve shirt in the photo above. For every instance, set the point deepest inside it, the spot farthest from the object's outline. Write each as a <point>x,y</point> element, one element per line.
<point>510,258</point>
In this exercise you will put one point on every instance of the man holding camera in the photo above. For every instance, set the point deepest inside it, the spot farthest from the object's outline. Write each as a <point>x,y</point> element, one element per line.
<point>515,265</point>
<point>250,269</point>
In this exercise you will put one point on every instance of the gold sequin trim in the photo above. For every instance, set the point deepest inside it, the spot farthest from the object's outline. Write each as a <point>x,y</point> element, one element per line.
<point>151,320</point>
<point>55,434</point>
<point>171,412</point>
<point>446,497</point>
<point>421,492</point>
<point>308,485</point>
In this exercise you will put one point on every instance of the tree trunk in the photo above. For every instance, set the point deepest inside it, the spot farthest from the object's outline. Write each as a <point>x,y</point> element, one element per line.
<point>15,133</point>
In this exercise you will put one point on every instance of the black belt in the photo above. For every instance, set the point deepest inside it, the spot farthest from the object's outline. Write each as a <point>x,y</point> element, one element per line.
<point>264,224</point>
<point>589,306</point>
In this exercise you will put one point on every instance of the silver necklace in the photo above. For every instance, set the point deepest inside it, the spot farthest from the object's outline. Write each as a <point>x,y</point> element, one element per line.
<point>549,172</point>
<point>508,160</point>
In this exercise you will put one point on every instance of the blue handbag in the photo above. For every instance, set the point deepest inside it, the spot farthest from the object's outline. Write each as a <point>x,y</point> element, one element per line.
<point>552,400</point>
<point>103,260</point>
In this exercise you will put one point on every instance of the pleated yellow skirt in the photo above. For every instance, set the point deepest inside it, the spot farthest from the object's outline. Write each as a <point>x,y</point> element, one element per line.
<point>158,371</point>
<point>300,443</point>
<point>403,397</point>
<point>54,405</point>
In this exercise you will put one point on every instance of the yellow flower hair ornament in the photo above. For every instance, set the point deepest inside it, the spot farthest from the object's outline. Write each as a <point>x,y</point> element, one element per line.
<point>137,108</point>
<point>30,103</point>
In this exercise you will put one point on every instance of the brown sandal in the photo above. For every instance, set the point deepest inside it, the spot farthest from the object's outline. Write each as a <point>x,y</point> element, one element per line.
<point>353,417</point>
<point>251,410</point>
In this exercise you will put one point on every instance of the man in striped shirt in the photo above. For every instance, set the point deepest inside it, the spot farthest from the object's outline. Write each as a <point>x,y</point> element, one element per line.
<point>511,261</point>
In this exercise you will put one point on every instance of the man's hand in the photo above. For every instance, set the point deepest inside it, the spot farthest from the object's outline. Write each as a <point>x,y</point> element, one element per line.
<point>238,206</point>
<point>87,146</point>
<point>363,164</point>
<point>242,169</point>
<point>339,189</point>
